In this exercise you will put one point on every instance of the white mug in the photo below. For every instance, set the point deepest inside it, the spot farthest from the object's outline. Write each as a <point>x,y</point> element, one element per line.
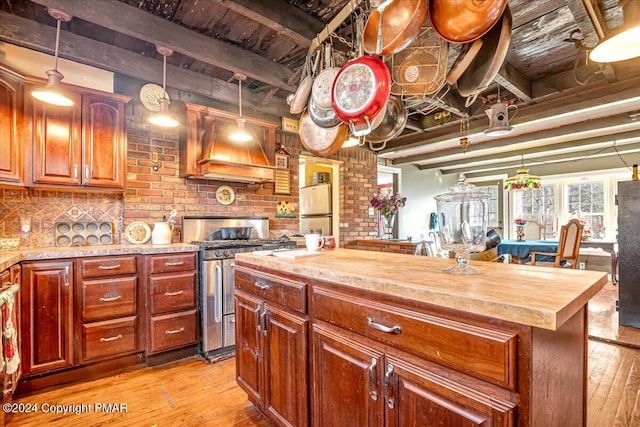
<point>314,242</point>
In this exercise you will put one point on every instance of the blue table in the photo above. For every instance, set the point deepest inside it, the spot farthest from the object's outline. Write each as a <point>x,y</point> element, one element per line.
<point>519,250</point>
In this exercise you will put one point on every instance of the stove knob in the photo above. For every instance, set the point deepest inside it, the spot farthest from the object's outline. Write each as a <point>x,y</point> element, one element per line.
<point>227,252</point>
<point>217,252</point>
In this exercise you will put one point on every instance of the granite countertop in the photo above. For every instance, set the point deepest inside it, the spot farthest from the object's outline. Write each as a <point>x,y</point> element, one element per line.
<point>9,258</point>
<point>541,297</point>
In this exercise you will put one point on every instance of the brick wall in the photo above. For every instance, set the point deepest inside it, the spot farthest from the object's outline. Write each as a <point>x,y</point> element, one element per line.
<point>151,194</point>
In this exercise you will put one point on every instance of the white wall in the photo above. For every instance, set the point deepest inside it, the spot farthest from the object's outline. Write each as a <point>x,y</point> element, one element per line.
<point>420,187</point>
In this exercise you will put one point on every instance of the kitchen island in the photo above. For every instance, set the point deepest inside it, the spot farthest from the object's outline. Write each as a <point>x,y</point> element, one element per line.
<point>367,338</point>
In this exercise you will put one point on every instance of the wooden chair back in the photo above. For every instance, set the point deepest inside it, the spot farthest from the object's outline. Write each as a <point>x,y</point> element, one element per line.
<point>534,230</point>
<point>568,246</point>
<point>569,243</point>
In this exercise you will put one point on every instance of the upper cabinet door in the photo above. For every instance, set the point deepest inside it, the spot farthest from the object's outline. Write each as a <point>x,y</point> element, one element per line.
<point>57,151</point>
<point>11,93</point>
<point>103,130</point>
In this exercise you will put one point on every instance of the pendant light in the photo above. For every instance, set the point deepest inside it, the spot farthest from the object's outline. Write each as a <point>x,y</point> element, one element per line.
<point>164,117</point>
<point>52,93</point>
<point>240,134</point>
<point>522,180</point>
<point>624,42</point>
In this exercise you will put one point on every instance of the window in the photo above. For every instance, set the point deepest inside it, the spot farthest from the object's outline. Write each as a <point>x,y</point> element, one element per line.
<point>560,198</point>
<point>493,220</point>
<point>538,205</point>
<point>586,200</point>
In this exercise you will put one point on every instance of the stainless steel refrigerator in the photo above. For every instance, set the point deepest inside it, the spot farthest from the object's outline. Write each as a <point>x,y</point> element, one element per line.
<point>315,209</point>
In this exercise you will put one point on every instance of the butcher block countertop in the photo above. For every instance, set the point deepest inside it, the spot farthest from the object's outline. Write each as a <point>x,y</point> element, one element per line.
<point>9,258</point>
<point>541,297</point>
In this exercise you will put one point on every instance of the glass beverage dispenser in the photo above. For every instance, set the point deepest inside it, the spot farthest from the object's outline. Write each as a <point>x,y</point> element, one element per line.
<point>463,223</point>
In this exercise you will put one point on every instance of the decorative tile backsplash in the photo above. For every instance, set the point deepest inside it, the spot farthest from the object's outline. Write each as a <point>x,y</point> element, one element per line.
<point>46,208</point>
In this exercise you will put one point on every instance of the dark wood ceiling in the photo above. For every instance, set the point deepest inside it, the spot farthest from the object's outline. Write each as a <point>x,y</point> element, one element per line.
<point>545,70</point>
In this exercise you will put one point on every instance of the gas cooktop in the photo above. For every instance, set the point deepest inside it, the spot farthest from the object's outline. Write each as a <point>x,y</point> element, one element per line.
<point>221,244</point>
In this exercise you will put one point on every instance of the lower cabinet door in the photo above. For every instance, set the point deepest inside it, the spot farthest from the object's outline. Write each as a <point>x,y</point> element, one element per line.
<point>173,330</point>
<point>286,379</point>
<point>108,338</point>
<point>415,396</point>
<point>347,382</point>
<point>249,366</point>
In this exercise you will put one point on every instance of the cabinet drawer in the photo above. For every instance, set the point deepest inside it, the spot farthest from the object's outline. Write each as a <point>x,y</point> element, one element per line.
<point>484,353</point>
<point>115,297</point>
<point>107,266</point>
<point>109,338</point>
<point>173,262</point>
<point>288,293</point>
<point>174,330</point>
<point>172,292</point>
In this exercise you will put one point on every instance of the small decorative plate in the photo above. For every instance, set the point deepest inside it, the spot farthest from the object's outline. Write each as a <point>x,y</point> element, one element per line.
<point>149,95</point>
<point>225,195</point>
<point>137,232</point>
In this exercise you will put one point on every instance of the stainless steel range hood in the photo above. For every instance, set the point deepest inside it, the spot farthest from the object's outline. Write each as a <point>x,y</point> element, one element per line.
<point>210,154</point>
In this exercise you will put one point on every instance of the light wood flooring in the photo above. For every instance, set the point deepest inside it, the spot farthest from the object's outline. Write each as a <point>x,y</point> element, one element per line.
<point>194,393</point>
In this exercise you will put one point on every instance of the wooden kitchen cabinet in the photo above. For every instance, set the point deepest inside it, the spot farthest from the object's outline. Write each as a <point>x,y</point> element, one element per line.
<point>272,344</point>
<point>79,146</point>
<point>47,316</point>
<point>171,297</point>
<point>11,119</point>
<point>108,310</point>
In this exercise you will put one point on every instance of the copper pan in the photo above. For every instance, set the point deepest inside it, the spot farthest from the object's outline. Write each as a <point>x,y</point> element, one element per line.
<point>321,141</point>
<point>484,67</point>
<point>467,53</point>
<point>391,28</point>
<point>463,21</point>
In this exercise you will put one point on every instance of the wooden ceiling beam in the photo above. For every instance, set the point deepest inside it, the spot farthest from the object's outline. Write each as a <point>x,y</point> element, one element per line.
<point>32,35</point>
<point>280,16</point>
<point>125,19</point>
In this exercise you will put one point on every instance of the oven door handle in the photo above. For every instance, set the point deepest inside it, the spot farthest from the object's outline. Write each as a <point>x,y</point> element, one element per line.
<point>217,312</point>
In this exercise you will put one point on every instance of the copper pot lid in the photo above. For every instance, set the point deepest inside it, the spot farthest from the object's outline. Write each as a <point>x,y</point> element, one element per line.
<point>484,67</point>
<point>463,21</point>
<point>320,141</point>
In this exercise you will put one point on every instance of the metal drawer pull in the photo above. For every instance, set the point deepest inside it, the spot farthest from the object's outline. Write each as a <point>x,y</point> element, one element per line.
<point>175,331</point>
<point>173,294</point>
<point>108,267</point>
<point>261,287</point>
<point>117,337</point>
<point>382,328</point>
<point>173,264</point>
<point>102,299</point>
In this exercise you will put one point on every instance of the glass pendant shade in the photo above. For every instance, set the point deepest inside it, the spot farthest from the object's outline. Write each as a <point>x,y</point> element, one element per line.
<point>164,117</point>
<point>522,181</point>
<point>52,93</point>
<point>624,42</point>
<point>240,134</point>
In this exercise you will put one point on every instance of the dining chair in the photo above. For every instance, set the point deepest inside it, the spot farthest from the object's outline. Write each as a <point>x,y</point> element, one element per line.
<point>568,247</point>
<point>534,230</point>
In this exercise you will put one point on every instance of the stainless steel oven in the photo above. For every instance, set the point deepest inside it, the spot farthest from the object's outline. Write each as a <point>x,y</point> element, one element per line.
<point>217,276</point>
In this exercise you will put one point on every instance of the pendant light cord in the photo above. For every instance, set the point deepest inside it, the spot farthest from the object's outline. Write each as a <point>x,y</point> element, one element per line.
<point>57,43</point>
<point>240,96</point>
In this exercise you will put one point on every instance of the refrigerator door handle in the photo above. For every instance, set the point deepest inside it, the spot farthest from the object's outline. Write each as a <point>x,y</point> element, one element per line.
<point>218,304</point>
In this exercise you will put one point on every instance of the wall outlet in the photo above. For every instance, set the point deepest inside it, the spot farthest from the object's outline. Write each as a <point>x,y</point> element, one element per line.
<point>582,266</point>
<point>371,210</point>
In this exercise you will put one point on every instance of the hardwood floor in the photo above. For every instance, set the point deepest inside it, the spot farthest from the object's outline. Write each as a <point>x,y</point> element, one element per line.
<point>193,392</point>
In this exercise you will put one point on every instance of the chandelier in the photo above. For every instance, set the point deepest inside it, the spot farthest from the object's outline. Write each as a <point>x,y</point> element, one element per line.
<point>522,180</point>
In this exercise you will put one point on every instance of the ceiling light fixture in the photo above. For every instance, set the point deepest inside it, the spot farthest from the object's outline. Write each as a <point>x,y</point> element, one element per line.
<point>522,180</point>
<point>624,42</point>
<point>499,118</point>
<point>164,117</point>
<point>240,134</point>
<point>52,93</point>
